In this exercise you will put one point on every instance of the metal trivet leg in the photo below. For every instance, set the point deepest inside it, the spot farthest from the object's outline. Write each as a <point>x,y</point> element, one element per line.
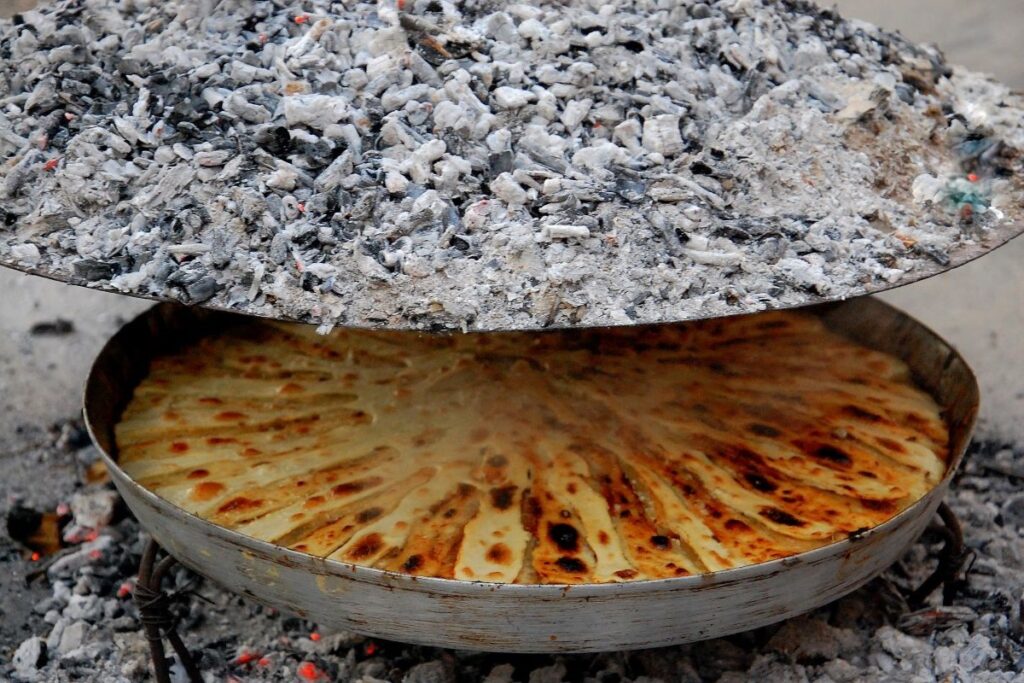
<point>156,617</point>
<point>951,559</point>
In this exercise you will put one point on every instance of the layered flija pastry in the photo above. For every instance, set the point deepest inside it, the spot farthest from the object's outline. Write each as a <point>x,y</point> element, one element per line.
<point>558,457</point>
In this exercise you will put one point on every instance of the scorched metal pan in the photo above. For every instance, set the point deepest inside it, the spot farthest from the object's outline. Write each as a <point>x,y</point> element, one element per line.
<point>530,618</point>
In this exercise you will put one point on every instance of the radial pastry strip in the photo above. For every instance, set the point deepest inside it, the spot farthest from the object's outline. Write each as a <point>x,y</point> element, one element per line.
<point>562,457</point>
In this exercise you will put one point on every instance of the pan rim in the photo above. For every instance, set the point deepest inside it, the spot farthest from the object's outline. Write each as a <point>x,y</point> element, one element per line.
<point>463,588</point>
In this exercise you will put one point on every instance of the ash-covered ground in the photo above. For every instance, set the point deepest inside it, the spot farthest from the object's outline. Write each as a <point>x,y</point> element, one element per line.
<point>69,616</point>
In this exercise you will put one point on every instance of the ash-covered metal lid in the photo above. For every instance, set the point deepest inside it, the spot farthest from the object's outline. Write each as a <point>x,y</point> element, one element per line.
<point>482,165</point>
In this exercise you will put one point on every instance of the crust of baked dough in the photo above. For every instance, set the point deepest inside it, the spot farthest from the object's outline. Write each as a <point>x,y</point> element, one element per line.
<point>563,457</point>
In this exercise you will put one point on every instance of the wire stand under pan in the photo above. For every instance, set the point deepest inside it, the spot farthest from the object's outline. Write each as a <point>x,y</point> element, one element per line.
<point>155,614</point>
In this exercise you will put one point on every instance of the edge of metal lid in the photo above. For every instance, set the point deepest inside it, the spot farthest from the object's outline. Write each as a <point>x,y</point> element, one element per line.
<point>986,243</point>
<point>876,324</point>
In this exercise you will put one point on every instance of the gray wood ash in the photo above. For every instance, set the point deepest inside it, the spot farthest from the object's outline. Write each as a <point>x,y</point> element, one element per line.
<point>481,166</point>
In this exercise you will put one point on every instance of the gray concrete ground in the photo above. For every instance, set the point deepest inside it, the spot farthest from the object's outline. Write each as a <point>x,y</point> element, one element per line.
<point>979,307</point>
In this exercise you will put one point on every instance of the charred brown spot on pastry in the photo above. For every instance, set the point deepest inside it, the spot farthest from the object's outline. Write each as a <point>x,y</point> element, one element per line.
<point>780,516</point>
<point>503,497</point>
<point>291,388</point>
<point>207,490</point>
<point>758,482</point>
<point>861,413</point>
<point>499,553</point>
<point>239,503</point>
<point>366,546</point>
<point>879,505</point>
<point>764,430</point>
<point>349,487</point>
<point>565,536</point>
<point>890,444</point>
<point>572,564</point>
<point>832,454</point>
<point>532,512</point>
<point>368,515</point>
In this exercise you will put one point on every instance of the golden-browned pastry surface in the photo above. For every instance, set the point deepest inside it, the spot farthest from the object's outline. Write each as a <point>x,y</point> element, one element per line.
<point>561,457</point>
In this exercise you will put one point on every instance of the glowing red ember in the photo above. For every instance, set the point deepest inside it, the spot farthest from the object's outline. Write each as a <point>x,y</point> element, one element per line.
<point>308,671</point>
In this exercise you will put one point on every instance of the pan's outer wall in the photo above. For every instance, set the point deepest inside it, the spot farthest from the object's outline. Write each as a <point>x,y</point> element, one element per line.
<point>530,618</point>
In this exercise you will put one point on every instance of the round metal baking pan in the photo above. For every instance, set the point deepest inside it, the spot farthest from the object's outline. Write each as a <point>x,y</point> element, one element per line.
<point>531,618</point>
<point>384,318</point>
